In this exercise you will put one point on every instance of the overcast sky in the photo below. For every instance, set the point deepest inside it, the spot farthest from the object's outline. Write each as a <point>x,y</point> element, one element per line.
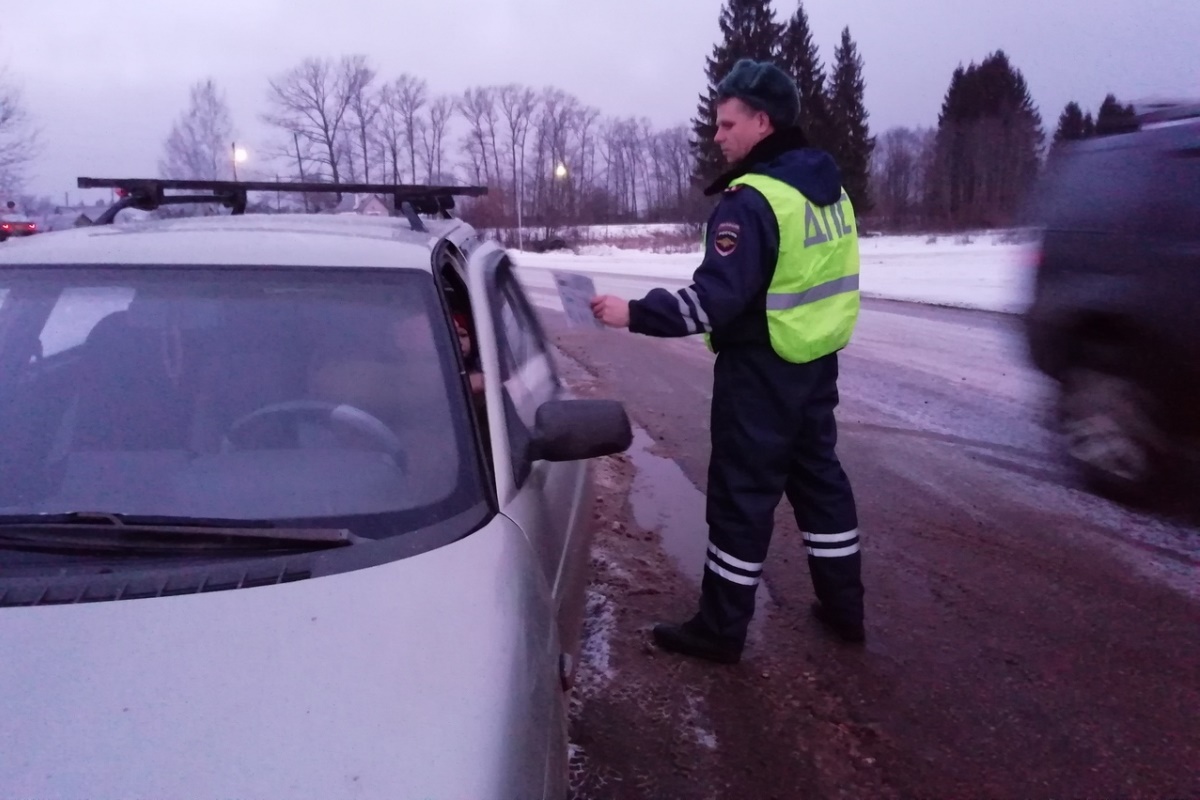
<point>105,80</point>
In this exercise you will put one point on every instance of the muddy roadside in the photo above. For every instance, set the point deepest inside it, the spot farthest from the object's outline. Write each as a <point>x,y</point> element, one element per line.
<point>646,724</point>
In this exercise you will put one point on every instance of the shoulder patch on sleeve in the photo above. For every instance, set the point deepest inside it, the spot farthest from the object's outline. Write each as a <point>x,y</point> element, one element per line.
<point>737,187</point>
<point>725,238</point>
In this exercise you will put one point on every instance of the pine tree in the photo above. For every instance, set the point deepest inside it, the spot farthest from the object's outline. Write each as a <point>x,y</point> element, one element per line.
<point>853,144</point>
<point>1115,118</point>
<point>1072,124</point>
<point>989,144</point>
<point>798,56</point>
<point>748,30</point>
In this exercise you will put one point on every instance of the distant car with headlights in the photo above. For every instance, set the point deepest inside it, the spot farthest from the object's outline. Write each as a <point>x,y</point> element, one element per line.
<point>14,223</point>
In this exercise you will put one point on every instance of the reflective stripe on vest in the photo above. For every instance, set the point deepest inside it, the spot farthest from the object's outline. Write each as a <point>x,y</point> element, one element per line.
<point>813,299</point>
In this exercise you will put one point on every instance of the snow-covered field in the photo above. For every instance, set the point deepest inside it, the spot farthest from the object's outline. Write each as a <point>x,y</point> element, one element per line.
<point>647,231</point>
<point>985,272</point>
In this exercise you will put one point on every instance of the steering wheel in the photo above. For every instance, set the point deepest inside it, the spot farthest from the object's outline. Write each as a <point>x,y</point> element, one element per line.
<point>329,415</point>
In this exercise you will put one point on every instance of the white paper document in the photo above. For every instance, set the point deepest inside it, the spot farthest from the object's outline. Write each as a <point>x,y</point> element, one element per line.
<point>576,292</point>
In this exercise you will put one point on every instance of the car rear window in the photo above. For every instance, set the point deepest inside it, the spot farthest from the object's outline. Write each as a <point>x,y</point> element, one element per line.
<point>1096,189</point>
<point>239,394</point>
<point>1179,187</point>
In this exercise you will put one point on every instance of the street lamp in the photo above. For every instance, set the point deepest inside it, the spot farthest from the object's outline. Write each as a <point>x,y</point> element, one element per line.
<point>239,157</point>
<point>560,174</point>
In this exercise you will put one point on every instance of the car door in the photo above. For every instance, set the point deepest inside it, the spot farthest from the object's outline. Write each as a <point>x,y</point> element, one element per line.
<point>1173,224</point>
<point>549,501</point>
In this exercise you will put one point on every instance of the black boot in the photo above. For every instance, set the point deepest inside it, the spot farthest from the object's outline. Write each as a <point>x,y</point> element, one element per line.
<point>691,639</point>
<point>845,630</point>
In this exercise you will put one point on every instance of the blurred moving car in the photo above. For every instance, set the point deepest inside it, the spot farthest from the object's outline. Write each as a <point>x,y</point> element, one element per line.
<point>1115,316</point>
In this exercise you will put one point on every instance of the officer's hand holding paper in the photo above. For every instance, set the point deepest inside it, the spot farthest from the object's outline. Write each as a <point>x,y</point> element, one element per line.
<point>576,292</point>
<point>612,311</point>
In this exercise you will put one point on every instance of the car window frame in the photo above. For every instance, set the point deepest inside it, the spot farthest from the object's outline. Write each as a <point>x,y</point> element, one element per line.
<point>504,286</point>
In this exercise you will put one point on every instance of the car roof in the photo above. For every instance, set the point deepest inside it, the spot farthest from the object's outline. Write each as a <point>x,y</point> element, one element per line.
<point>1099,181</point>
<point>1161,136</point>
<point>291,240</point>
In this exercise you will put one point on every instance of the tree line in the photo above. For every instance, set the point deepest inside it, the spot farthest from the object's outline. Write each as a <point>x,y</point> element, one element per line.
<point>977,166</point>
<point>833,111</point>
<point>551,160</point>
<point>546,157</point>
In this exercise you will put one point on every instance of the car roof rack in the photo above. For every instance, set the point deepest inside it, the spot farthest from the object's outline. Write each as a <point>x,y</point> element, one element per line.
<point>148,194</point>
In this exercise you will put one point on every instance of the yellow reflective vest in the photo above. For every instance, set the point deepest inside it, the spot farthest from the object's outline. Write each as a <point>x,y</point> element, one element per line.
<point>813,300</point>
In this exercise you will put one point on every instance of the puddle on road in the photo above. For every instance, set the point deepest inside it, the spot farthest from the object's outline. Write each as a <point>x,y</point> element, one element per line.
<point>664,500</point>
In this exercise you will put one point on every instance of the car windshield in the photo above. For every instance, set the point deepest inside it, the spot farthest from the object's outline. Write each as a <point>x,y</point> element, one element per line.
<point>233,394</point>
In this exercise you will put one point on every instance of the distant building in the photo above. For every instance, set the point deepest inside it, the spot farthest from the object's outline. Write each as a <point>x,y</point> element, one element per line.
<point>64,220</point>
<point>371,206</point>
<point>374,206</point>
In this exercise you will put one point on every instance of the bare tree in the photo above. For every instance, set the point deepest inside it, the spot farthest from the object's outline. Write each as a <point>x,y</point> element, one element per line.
<point>200,143</point>
<point>347,156</point>
<point>478,108</point>
<point>517,104</point>
<point>553,186</point>
<point>644,138</point>
<point>364,108</point>
<point>898,175</point>
<point>311,101</point>
<point>411,96</point>
<point>559,162</point>
<point>675,149</point>
<point>658,199</point>
<point>402,124</point>
<point>584,124</point>
<point>18,136</point>
<point>391,131</point>
<point>433,137</point>
<point>624,157</point>
<point>475,162</point>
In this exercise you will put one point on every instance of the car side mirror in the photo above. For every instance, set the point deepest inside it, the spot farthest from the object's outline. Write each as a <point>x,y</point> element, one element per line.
<point>574,430</point>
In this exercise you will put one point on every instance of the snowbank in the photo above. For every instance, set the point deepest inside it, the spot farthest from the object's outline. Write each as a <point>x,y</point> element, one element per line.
<point>984,272</point>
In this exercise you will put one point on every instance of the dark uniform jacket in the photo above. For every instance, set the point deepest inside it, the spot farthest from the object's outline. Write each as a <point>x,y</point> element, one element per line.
<point>728,296</point>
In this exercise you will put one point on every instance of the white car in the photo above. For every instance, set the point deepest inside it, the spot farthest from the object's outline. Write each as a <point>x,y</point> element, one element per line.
<point>259,535</point>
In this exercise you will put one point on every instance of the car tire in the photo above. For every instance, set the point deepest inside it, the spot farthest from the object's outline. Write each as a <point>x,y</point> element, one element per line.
<point>1112,434</point>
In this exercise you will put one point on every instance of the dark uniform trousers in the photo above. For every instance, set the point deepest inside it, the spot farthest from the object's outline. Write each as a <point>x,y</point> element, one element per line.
<point>774,432</point>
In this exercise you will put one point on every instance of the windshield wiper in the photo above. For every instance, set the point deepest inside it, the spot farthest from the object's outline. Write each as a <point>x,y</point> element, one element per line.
<point>116,533</point>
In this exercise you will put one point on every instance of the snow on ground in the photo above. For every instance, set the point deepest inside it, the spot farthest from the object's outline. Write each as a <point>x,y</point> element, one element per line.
<point>601,233</point>
<point>987,271</point>
<point>599,625</point>
<point>697,722</point>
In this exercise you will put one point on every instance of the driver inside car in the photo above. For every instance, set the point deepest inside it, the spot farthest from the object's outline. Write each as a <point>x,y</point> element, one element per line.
<point>378,368</point>
<point>389,366</point>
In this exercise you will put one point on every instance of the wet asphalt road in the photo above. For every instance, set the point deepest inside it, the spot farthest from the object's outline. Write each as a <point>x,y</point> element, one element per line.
<point>1026,639</point>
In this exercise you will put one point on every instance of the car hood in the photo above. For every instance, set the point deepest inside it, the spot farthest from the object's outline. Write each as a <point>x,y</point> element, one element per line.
<point>410,680</point>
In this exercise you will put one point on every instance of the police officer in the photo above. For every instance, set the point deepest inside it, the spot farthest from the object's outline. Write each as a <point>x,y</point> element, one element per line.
<point>777,297</point>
